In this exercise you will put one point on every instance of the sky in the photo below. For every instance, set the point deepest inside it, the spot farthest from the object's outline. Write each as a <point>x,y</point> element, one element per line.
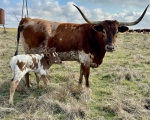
<point>64,11</point>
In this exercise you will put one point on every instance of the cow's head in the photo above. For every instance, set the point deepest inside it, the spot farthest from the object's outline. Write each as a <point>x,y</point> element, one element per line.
<point>110,28</point>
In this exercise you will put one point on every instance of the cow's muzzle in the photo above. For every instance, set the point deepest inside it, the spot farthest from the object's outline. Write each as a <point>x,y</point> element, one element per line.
<point>109,48</point>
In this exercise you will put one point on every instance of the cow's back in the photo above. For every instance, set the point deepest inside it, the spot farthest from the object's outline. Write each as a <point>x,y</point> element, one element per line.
<point>35,34</point>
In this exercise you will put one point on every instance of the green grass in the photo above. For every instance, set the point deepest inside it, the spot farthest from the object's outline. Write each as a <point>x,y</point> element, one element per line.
<point>120,85</point>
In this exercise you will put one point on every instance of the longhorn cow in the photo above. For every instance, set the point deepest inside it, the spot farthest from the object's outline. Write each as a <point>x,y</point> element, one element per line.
<point>86,43</point>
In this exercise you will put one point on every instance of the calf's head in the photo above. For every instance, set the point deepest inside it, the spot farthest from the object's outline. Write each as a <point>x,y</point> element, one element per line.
<point>52,57</point>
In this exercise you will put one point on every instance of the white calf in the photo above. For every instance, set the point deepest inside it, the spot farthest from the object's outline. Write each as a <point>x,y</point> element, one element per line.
<point>38,63</point>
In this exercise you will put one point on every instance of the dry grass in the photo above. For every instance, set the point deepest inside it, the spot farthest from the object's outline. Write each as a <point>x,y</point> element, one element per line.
<point>120,86</point>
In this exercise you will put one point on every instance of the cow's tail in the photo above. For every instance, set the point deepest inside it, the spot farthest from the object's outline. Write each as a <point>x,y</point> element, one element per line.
<point>18,37</point>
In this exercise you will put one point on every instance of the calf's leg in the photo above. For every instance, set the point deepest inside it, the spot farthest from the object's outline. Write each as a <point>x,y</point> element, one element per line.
<point>27,79</point>
<point>45,80</point>
<point>18,88</point>
<point>37,80</point>
<point>13,87</point>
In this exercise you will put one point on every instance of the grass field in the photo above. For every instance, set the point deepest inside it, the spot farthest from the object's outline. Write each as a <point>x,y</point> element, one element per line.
<point>120,85</point>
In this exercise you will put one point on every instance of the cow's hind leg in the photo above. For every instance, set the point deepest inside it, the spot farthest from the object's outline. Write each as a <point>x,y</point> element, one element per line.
<point>13,87</point>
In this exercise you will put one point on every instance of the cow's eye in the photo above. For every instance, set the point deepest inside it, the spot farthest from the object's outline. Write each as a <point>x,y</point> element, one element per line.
<point>104,32</point>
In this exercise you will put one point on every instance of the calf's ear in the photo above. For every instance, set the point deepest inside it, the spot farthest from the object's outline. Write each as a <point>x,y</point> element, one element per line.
<point>52,50</point>
<point>123,28</point>
<point>48,54</point>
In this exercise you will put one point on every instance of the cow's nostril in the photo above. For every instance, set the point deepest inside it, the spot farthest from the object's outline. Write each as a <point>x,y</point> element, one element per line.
<point>109,48</point>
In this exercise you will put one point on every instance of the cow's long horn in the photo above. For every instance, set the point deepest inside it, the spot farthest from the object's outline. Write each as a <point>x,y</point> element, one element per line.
<point>121,23</point>
<point>135,22</point>
<point>85,18</point>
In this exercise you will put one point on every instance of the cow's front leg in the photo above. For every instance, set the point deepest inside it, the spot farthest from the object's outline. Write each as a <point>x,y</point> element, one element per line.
<point>80,78</point>
<point>86,91</point>
<point>84,70</point>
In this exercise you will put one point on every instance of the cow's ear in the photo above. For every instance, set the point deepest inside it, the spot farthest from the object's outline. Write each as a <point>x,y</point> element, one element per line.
<point>98,28</point>
<point>123,28</point>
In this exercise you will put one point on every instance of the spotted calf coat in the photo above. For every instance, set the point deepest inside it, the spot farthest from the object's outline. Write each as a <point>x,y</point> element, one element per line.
<point>38,63</point>
<point>21,64</point>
